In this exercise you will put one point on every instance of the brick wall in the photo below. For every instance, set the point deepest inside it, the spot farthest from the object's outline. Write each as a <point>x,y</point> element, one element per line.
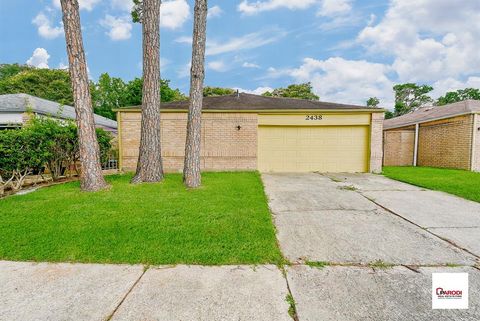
<point>476,164</point>
<point>224,147</point>
<point>399,146</point>
<point>446,143</point>
<point>376,145</point>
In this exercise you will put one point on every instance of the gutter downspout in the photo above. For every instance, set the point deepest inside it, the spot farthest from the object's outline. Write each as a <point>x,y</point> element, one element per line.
<point>415,150</point>
<point>473,159</point>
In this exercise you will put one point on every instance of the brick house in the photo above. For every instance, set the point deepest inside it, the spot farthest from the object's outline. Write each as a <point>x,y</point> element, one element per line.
<point>250,132</point>
<point>16,108</point>
<point>443,136</point>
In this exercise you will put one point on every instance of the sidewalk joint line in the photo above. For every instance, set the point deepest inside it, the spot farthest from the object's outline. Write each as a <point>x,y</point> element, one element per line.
<point>145,269</point>
<point>284,270</point>
<point>419,226</point>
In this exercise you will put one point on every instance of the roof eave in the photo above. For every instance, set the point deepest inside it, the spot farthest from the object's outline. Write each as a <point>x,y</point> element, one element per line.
<point>173,110</point>
<point>385,127</point>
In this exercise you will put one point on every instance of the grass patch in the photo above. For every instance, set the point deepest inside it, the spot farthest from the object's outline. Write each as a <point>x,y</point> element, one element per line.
<point>226,221</point>
<point>458,182</point>
<point>317,264</point>
<point>452,265</point>
<point>292,309</point>
<point>379,264</point>
<point>348,188</point>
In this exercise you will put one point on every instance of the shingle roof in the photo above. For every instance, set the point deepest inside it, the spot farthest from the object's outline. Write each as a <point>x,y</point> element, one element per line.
<point>433,112</point>
<point>249,102</point>
<point>23,102</point>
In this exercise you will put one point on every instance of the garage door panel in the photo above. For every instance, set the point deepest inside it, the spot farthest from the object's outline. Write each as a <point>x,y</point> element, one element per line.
<point>315,148</point>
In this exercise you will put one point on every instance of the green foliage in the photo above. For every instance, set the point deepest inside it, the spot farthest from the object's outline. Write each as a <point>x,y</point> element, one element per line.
<point>104,139</point>
<point>409,97</point>
<point>57,140</point>
<point>9,70</point>
<point>227,221</point>
<point>459,95</point>
<point>217,91</point>
<point>43,142</point>
<point>300,91</point>
<point>292,309</point>
<point>51,84</point>
<point>389,114</point>
<point>373,102</point>
<point>137,11</point>
<point>20,155</point>
<point>379,264</point>
<point>110,93</point>
<point>317,264</point>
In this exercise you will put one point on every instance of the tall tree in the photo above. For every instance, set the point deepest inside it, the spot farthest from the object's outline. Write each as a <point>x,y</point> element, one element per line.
<point>91,177</point>
<point>217,91</point>
<point>51,84</point>
<point>300,91</point>
<point>373,102</point>
<point>409,97</point>
<point>191,170</point>
<point>459,95</point>
<point>149,165</point>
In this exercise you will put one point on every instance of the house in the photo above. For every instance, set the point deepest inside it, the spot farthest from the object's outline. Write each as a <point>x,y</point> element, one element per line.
<point>251,132</point>
<point>14,109</point>
<point>443,136</point>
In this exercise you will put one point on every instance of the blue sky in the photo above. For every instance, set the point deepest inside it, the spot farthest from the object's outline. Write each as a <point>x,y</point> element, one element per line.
<point>349,49</point>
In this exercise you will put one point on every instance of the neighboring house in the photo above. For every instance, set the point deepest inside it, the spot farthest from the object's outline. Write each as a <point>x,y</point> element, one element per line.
<point>250,132</point>
<point>443,136</point>
<point>14,109</point>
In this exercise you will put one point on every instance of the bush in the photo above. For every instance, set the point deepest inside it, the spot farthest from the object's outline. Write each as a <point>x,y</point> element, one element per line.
<point>43,143</point>
<point>20,156</point>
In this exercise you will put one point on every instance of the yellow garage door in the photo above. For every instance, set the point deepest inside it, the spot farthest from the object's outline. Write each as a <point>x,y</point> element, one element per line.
<point>308,149</point>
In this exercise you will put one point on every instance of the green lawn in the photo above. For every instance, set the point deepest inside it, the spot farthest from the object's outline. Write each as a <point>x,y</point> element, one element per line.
<point>226,221</point>
<point>461,183</point>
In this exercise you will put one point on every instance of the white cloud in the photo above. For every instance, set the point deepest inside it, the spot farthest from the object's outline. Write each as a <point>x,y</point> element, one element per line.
<point>125,5</point>
<point>215,11</point>
<point>184,71</point>
<point>250,7</point>
<point>45,28</point>
<point>84,4</point>
<point>174,13</point>
<point>335,7</point>
<point>218,65</point>
<point>449,84</point>
<point>248,41</point>
<point>257,91</point>
<point>118,28</point>
<point>250,65</point>
<point>184,39</point>
<point>62,66</point>
<point>39,58</point>
<point>344,81</point>
<point>428,39</point>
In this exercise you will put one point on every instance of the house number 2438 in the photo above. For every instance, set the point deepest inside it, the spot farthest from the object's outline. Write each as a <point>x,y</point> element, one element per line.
<point>313,117</point>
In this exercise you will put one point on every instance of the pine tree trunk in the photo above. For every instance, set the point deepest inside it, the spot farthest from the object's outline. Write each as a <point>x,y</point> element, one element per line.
<point>191,171</point>
<point>149,166</point>
<point>91,177</point>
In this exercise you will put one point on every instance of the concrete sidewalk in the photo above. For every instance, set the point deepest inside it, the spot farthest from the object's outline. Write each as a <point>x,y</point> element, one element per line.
<point>64,292</point>
<point>43,291</point>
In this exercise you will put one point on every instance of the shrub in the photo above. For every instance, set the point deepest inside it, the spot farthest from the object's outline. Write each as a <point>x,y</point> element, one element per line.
<point>43,143</point>
<point>20,156</point>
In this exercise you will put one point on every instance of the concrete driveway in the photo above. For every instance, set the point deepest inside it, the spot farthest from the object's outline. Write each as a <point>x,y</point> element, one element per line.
<point>359,224</point>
